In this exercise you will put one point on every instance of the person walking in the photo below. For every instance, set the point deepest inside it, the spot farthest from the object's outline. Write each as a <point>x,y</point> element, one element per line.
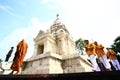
<point>90,50</point>
<point>9,54</point>
<point>99,48</point>
<point>111,55</point>
<point>19,56</point>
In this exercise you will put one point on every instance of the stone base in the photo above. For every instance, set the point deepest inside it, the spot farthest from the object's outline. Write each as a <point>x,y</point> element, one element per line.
<point>50,63</point>
<point>47,63</point>
<point>76,63</point>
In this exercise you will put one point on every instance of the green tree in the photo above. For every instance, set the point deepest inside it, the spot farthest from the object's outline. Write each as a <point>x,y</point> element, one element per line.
<point>116,45</point>
<point>0,60</point>
<point>80,45</point>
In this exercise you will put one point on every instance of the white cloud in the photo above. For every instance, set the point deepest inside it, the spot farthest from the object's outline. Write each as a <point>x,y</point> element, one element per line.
<point>7,9</point>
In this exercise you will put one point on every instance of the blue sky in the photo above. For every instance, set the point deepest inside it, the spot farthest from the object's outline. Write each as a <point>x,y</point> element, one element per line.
<point>89,19</point>
<point>17,13</point>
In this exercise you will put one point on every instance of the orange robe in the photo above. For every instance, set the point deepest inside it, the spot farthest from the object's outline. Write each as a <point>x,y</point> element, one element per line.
<point>111,55</point>
<point>19,55</point>
<point>100,50</point>
<point>90,49</point>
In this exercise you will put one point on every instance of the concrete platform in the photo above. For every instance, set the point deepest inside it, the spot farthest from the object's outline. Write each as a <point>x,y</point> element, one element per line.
<point>104,75</point>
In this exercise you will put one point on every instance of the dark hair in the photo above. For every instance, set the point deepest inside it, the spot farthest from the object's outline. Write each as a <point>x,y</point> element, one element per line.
<point>107,48</point>
<point>12,47</point>
<point>86,40</point>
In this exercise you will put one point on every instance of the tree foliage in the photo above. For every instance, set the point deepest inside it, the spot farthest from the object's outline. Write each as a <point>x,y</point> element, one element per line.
<point>116,45</point>
<point>0,60</point>
<point>80,45</point>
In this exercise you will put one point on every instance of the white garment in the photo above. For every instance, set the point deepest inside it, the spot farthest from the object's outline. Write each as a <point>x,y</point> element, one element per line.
<point>94,62</point>
<point>105,61</point>
<point>115,64</point>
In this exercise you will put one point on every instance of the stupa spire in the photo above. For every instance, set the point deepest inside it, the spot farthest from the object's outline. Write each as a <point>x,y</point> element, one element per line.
<point>57,16</point>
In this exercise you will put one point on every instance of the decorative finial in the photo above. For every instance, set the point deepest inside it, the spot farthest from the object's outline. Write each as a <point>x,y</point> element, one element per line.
<point>57,16</point>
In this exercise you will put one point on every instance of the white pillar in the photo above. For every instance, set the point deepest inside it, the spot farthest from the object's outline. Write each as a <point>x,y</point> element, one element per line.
<point>35,50</point>
<point>63,47</point>
<point>47,47</point>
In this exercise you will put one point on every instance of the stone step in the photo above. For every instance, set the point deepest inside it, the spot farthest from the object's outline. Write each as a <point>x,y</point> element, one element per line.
<point>103,75</point>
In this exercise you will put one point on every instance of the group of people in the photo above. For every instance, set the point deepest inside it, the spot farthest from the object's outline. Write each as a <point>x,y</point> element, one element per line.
<point>19,55</point>
<point>96,51</point>
<point>93,50</point>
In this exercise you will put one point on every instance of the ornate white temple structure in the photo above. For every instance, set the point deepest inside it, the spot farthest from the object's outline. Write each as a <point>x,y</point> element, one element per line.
<point>54,52</point>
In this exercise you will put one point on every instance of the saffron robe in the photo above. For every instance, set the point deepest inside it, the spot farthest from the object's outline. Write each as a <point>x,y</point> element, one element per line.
<point>90,49</point>
<point>100,50</point>
<point>111,55</point>
<point>19,55</point>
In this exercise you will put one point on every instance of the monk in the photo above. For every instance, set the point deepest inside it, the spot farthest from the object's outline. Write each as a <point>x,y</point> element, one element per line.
<point>90,50</point>
<point>111,55</point>
<point>99,48</point>
<point>19,56</point>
